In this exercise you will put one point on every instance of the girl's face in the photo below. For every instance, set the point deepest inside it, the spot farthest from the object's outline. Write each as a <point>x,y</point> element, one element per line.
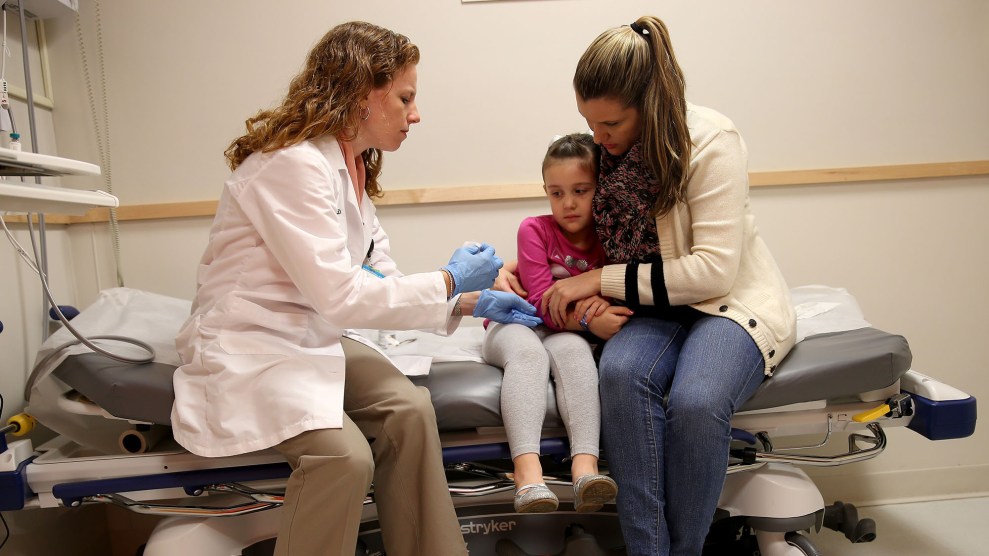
<point>616,127</point>
<point>570,184</point>
<point>393,111</point>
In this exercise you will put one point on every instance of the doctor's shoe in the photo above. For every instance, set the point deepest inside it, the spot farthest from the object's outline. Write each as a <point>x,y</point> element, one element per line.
<point>592,492</point>
<point>535,498</point>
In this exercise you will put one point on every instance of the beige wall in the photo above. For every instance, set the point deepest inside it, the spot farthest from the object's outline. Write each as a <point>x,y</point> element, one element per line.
<point>810,85</point>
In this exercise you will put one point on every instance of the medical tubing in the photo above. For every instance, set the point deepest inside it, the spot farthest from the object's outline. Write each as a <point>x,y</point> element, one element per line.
<point>17,246</point>
<point>4,52</point>
<point>13,123</point>
<point>40,261</point>
<point>86,341</point>
<point>80,339</point>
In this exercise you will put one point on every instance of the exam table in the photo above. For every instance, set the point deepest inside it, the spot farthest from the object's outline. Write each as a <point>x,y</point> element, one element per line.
<point>843,381</point>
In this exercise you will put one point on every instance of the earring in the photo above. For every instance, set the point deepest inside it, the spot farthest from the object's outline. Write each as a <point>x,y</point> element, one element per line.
<point>365,113</point>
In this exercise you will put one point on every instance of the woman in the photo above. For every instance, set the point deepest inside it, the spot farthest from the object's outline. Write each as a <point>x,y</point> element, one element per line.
<point>296,257</point>
<point>712,311</point>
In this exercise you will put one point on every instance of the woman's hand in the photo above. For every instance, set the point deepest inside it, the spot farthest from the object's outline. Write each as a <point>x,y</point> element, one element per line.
<point>562,293</point>
<point>610,322</point>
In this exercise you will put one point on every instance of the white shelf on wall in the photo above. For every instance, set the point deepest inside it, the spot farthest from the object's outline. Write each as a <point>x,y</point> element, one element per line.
<point>21,197</point>
<point>46,9</point>
<point>23,163</point>
<point>25,197</point>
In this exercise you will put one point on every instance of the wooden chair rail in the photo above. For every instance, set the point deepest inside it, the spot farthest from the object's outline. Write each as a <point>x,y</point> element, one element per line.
<point>477,193</point>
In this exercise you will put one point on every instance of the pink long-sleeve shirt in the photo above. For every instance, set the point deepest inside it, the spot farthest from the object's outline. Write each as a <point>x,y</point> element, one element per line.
<point>545,256</point>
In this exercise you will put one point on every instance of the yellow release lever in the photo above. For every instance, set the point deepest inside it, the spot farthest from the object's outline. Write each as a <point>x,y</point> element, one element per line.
<point>872,414</point>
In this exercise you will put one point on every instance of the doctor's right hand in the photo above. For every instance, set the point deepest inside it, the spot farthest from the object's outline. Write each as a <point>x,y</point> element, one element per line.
<point>506,308</point>
<point>473,267</point>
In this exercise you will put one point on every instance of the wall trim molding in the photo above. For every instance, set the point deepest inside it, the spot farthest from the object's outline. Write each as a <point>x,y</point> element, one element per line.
<point>511,192</point>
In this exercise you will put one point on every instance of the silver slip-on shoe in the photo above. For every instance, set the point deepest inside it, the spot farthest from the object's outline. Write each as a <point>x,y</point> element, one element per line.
<point>592,492</point>
<point>535,498</point>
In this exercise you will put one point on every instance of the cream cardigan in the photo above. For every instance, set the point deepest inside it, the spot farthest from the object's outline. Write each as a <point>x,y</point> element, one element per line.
<point>713,257</point>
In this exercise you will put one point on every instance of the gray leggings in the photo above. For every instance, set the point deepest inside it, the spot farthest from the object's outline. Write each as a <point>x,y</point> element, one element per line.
<point>528,355</point>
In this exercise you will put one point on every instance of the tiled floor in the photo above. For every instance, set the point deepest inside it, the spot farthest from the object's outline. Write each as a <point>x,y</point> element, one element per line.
<point>943,528</point>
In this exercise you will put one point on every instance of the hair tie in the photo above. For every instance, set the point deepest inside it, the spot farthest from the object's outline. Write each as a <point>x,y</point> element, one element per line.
<point>639,29</point>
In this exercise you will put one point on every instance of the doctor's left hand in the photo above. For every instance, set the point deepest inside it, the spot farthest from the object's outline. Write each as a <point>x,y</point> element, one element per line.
<point>506,308</point>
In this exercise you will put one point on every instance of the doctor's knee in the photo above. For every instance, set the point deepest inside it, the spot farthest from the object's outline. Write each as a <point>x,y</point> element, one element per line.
<point>414,412</point>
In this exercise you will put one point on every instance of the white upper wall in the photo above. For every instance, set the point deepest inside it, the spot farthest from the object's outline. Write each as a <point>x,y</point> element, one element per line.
<point>810,85</point>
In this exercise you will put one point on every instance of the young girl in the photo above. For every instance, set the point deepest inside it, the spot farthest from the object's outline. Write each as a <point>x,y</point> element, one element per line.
<point>551,247</point>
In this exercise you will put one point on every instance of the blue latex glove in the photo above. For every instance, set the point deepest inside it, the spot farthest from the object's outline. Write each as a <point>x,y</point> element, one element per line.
<point>506,308</point>
<point>474,267</point>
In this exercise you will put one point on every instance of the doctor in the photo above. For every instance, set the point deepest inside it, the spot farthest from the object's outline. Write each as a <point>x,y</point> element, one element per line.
<point>296,256</point>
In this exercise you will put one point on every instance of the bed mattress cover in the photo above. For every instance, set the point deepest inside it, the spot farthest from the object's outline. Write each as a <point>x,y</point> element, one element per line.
<point>466,394</point>
<point>838,355</point>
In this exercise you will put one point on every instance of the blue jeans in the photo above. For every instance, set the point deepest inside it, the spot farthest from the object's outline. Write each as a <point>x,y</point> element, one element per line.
<point>669,459</point>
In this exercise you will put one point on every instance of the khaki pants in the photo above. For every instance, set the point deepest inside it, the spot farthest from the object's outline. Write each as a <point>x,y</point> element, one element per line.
<point>389,437</point>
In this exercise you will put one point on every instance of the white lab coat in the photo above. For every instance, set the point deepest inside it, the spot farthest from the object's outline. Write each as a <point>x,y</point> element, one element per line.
<point>279,284</point>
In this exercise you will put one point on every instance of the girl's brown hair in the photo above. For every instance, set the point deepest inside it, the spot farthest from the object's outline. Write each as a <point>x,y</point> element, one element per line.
<point>635,65</point>
<point>324,98</point>
<point>575,145</point>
